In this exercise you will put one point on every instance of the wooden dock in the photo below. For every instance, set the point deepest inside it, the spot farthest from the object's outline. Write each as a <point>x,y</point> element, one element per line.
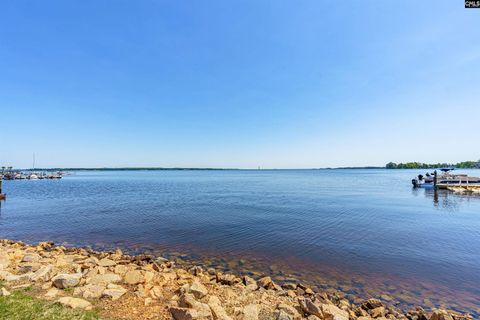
<point>459,183</point>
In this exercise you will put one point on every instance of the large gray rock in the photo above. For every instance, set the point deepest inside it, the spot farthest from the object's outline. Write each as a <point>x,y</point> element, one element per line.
<point>66,280</point>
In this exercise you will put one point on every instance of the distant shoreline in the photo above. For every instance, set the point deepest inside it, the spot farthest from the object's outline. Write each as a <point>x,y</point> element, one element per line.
<point>225,169</point>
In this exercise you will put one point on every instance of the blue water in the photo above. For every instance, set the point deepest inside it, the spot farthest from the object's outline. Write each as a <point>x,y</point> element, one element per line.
<point>370,223</point>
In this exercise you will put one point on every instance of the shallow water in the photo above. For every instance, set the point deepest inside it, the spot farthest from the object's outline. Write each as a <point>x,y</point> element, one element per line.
<point>365,232</point>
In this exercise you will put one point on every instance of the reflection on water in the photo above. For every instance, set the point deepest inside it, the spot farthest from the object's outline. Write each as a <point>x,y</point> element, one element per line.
<point>445,199</point>
<point>364,232</point>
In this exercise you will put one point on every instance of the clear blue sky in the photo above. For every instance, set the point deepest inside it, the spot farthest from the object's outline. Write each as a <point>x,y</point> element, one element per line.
<point>279,84</point>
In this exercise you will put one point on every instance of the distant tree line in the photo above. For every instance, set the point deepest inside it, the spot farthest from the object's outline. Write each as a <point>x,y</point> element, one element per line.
<point>419,165</point>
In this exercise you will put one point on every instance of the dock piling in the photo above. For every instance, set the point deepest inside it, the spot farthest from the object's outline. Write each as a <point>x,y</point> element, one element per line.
<point>2,195</point>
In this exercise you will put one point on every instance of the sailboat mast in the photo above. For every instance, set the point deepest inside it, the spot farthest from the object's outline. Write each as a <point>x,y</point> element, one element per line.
<point>33,168</point>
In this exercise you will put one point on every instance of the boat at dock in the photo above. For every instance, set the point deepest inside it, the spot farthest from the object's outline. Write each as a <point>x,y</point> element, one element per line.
<point>447,180</point>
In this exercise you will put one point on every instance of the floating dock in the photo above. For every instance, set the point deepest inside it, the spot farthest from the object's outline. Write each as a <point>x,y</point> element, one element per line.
<point>454,182</point>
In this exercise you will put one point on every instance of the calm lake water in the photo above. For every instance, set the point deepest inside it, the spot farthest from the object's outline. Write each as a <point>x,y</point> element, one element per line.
<point>365,232</point>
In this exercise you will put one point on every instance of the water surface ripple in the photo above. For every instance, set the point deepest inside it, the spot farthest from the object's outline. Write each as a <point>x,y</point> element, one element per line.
<point>366,232</point>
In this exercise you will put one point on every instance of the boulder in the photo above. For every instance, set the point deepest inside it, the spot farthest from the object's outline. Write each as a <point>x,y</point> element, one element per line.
<point>308,307</point>
<point>183,313</point>
<point>52,293</point>
<point>377,312</point>
<point>282,315</point>
<point>9,277</point>
<point>332,312</point>
<point>218,311</point>
<point>250,312</point>
<point>29,267</point>
<point>45,273</point>
<point>4,260</point>
<point>250,283</point>
<point>66,280</point>
<point>290,310</point>
<point>134,277</point>
<point>4,292</point>
<point>289,286</point>
<point>156,292</point>
<point>120,269</point>
<point>228,279</point>
<point>75,303</point>
<point>114,292</point>
<point>371,304</point>
<point>90,262</point>
<point>105,262</point>
<point>31,257</point>
<point>187,300</point>
<point>93,291</point>
<point>148,276</point>
<point>265,282</point>
<point>105,278</point>
<point>440,315</point>
<point>198,289</point>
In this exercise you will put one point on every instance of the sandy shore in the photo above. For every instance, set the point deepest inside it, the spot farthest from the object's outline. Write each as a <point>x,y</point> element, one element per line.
<point>122,286</point>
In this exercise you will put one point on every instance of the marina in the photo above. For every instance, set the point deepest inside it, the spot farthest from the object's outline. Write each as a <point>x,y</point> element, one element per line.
<point>8,173</point>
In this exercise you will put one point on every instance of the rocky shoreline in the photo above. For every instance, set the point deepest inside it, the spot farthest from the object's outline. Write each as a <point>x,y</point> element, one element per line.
<point>124,286</point>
